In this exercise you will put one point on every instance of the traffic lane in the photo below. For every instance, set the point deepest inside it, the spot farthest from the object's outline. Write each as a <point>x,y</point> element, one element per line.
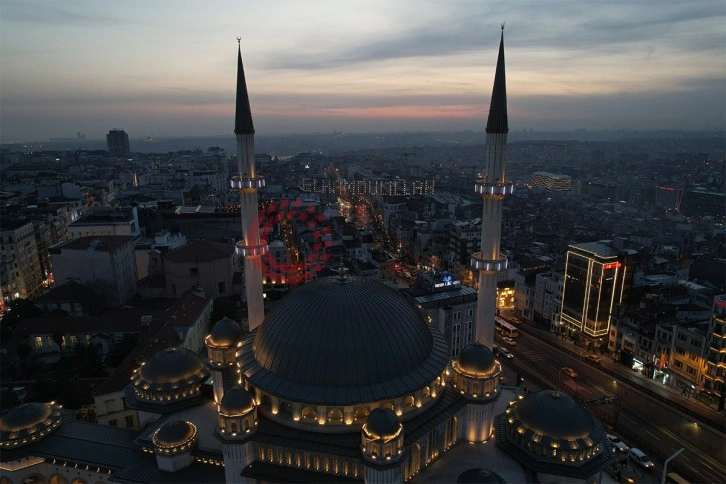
<point>652,431</point>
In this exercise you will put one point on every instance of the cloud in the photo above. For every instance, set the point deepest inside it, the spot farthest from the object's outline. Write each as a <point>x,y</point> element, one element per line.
<point>52,13</point>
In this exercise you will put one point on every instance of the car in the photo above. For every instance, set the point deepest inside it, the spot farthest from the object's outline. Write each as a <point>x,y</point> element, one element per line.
<point>618,444</point>
<point>641,458</point>
<point>509,341</point>
<point>569,371</point>
<point>594,358</point>
<point>506,353</point>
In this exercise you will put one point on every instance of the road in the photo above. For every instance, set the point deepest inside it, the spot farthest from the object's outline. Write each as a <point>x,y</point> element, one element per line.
<point>642,421</point>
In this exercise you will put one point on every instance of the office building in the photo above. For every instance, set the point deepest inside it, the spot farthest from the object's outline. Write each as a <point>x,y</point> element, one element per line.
<point>597,277</point>
<point>117,142</point>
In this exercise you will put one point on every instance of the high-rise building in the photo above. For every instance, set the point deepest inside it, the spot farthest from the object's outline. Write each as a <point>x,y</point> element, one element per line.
<point>597,277</point>
<point>715,373</point>
<point>118,143</point>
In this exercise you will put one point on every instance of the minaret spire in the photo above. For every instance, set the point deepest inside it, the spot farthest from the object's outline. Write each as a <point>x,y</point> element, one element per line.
<point>497,121</point>
<point>251,248</point>
<point>243,115</point>
<point>492,187</point>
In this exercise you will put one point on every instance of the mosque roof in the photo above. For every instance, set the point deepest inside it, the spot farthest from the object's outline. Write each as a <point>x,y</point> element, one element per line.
<point>477,360</point>
<point>382,423</point>
<point>342,340</point>
<point>236,401</point>
<point>169,369</point>
<point>225,332</point>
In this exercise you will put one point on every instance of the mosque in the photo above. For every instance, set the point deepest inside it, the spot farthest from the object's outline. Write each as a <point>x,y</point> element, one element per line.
<point>343,381</point>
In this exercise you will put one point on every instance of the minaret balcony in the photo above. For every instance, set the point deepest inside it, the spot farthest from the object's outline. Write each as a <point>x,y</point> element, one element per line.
<point>493,189</point>
<point>250,250</point>
<point>240,182</point>
<point>480,264</point>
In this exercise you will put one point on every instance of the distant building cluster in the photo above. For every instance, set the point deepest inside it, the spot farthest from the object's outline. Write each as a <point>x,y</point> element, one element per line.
<point>551,181</point>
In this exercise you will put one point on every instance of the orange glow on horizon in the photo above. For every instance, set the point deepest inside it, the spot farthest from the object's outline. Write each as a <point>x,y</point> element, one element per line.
<point>383,112</point>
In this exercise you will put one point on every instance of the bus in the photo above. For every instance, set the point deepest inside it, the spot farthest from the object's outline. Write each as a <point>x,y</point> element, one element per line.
<point>505,329</point>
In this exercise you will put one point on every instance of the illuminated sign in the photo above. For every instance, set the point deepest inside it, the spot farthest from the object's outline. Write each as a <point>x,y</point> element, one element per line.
<point>721,304</point>
<point>612,265</point>
<point>446,281</point>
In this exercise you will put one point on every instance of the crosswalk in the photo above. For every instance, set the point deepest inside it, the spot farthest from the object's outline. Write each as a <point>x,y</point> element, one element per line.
<point>532,355</point>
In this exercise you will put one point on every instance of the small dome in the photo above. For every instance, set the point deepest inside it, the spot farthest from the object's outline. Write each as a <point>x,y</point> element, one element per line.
<point>170,369</point>
<point>477,360</point>
<point>554,414</point>
<point>479,476</point>
<point>382,423</point>
<point>225,332</point>
<point>175,435</point>
<point>23,423</point>
<point>236,401</point>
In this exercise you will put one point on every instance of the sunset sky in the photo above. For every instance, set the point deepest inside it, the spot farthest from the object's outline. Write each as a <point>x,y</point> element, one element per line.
<point>167,68</point>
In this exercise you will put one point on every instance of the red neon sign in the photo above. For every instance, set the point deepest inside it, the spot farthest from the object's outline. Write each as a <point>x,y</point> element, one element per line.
<point>612,265</point>
<point>721,304</point>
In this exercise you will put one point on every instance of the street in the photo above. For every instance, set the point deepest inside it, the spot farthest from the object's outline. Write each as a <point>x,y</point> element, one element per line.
<point>641,421</point>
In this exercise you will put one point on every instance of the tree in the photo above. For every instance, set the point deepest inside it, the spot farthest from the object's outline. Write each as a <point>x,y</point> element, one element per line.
<point>121,349</point>
<point>59,338</point>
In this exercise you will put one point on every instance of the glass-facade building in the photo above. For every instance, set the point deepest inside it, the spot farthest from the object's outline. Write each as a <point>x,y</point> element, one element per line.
<point>597,277</point>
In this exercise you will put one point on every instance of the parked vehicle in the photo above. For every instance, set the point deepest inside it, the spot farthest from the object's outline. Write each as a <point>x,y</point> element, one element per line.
<point>641,458</point>
<point>569,371</point>
<point>618,444</point>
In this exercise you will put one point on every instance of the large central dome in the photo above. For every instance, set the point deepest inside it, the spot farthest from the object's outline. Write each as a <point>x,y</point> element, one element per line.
<point>345,339</point>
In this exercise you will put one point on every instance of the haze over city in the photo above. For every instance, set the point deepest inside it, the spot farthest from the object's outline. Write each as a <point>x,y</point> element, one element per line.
<point>168,68</point>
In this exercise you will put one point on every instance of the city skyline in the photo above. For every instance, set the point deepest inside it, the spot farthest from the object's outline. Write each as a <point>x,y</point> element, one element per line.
<point>163,69</point>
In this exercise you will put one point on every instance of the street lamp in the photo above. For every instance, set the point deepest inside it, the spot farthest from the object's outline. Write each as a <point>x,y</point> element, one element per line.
<point>665,465</point>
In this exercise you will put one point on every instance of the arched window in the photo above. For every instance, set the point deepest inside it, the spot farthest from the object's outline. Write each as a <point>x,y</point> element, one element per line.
<point>309,413</point>
<point>247,424</point>
<point>389,406</point>
<point>234,427</point>
<point>408,401</point>
<point>335,414</point>
<point>361,413</point>
<point>427,392</point>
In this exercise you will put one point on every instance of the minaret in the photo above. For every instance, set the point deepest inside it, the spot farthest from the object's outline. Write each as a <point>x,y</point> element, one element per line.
<point>492,187</point>
<point>250,247</point>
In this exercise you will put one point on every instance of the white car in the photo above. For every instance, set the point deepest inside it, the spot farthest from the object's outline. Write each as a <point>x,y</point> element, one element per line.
<point>509,341</point>
<point>641,458</point>
<point>618,444</point>
<point>506,353</point>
